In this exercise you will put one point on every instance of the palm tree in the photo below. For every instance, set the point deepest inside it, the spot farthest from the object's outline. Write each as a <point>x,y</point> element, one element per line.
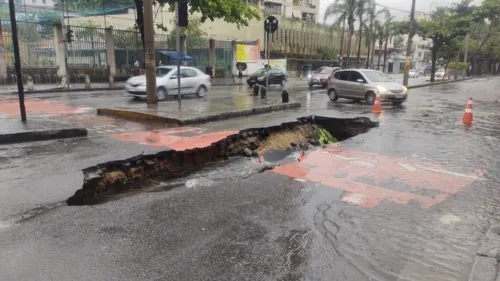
<point>346,9</point>
<point>372,18</point>
<point>361,9</point>
<point>340,21</point>
<point>379,36</point>
<point>388,33</point>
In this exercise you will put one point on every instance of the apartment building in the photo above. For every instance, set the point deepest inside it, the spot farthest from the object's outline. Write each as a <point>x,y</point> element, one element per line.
<point>298,9</point>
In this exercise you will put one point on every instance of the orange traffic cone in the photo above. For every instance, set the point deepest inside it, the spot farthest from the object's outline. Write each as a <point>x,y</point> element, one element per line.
<point>377,106</point>
<point>467,118</point>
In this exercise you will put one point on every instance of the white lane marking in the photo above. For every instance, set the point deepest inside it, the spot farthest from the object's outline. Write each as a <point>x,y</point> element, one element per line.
<point>449,219</point>
<point>406,166</point>
<point>354,198</point>
<point>450,173</point>
<point>300,180</point>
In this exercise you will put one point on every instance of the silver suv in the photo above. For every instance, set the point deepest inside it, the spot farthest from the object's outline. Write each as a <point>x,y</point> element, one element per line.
<point>364,84</point>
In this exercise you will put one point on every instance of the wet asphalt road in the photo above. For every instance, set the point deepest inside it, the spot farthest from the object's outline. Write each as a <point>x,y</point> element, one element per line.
<point>230,222</point>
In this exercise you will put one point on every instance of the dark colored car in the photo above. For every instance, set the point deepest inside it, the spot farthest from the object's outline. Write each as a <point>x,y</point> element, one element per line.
<point>427,70</point>
<point>276,76</point>
<point>322,76</point>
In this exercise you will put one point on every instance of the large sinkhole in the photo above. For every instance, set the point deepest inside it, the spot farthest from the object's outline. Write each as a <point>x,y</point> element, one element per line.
<point>137,172</point>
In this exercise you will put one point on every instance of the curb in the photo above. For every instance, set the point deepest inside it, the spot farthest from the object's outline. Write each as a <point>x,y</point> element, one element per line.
<point>441,82</point>
<point>42,135</point>
<point>486,266</point>
<point>128,114</point>
<point>70,90</point>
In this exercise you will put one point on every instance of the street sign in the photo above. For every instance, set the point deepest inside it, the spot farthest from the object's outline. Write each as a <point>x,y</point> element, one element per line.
<point>271,24</point>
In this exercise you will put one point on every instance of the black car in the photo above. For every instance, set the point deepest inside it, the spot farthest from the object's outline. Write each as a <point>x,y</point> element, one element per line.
<point>276,76</point>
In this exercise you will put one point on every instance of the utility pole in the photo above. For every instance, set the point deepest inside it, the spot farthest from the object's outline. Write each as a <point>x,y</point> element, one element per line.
<point>411,32</point>
<point>17,58</point>
<point>149,44</point>
<point>178,47</point>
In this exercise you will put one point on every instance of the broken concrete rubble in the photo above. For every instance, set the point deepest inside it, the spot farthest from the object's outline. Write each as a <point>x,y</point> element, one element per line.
<point>134,173</point>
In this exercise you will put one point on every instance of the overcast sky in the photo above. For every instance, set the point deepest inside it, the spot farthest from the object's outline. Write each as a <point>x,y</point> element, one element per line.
<point>402,5</point>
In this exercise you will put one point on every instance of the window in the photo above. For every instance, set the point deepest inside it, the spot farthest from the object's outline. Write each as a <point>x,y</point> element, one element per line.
<point>162,71</point>
<point>188,73</point>
<point>337,74</point>
<point>355,76</point>
<point>344,75</point>
<point>276,71</point>
<point>326,70</point>
<point>377,76</point>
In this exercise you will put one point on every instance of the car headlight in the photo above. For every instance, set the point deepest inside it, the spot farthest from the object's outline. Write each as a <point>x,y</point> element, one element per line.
<point>381,89</point>
<point>309,76</point>
<point>405,89</point>
<point>261,78</point>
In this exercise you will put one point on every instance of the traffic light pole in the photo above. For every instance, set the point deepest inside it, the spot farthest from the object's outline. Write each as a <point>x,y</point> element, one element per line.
<point>17,58</point>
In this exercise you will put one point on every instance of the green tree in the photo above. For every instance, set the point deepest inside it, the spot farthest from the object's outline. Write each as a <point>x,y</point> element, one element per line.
<point>345,9</point>
<point>371,20</point>
<point>388,31</point>
<point>231,11</point>
<point>361,8</point>
<point>398,41</point>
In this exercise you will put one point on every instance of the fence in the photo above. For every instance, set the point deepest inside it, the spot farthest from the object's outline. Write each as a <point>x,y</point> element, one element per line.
<point>36,44</point>
<point>88,49</point>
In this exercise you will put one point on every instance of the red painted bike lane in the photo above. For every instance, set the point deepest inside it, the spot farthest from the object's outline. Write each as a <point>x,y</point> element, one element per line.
<point>350,170</point>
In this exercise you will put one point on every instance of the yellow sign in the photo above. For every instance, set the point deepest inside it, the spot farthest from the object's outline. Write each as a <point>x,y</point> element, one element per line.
<point>247,53</point>
<point>278,64</point>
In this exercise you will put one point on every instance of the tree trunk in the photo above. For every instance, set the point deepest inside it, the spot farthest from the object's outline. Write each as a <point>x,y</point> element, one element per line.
<point>379,55</point>
<point>433,63</point>
<point>351,29</point>
<point>369,46</point>
<point>359,41</point>
<point>342,42</point>
<point>140,23</point>
<point>385,53</point>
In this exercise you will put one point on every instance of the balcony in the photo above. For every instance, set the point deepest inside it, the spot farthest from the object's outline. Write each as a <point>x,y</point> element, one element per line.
<point>273,8</point>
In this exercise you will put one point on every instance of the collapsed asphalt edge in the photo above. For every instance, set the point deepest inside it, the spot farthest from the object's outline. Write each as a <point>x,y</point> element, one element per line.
<point>136,172</point>
<point>129,114</point>
<point>42,135</point>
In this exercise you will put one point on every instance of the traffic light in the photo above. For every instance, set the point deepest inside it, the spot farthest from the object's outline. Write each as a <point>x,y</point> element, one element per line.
<point>183,13</point>
<point>69,35</point>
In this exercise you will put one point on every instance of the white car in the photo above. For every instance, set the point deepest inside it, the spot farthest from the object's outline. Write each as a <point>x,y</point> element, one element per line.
<point>414,73</point>
<point>440,74</point>
<point>193,81</point>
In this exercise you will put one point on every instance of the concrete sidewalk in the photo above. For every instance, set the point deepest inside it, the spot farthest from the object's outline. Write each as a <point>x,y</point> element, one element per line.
<point>12,130</point>
<point>80,87</point>
<point>201,111</point>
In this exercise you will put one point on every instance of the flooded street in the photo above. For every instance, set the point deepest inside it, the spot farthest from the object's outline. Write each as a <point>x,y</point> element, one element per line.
<point>408,200</point>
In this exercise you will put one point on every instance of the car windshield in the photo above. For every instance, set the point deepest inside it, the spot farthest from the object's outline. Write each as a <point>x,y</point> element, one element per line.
<point>260,72</point>
<point>377,76</point>
<point>326,71</point>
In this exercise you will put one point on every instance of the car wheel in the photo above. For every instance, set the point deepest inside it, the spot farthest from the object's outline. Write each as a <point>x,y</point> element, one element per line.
<point>202,91</point>
<point>282,83</point>
<point>161,93</point>
<point>332,94</point>
<point>370,97</point>
<point>310,85</point>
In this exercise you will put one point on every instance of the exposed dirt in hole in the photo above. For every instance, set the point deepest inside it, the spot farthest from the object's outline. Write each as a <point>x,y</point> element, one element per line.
<point>282,140</point>
<point>143,171</point>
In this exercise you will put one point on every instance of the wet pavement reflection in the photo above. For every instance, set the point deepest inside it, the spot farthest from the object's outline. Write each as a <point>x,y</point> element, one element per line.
<point>409,200</point>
